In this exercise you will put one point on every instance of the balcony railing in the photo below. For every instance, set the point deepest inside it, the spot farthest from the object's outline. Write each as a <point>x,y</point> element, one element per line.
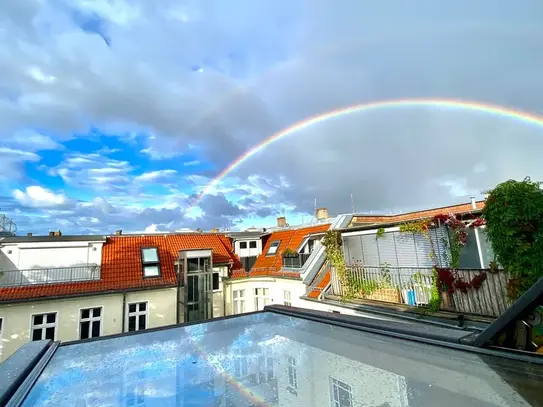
<point>413,286</point>
<point>296,262</point>
<point>16,278</point>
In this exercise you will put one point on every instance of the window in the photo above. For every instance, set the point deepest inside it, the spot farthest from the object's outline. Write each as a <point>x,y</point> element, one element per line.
<point>273,248</point>
<point>248,262</point>
<point>252,244</point>
<point>242,245</point>
<point>137,316</point>
<point>238,297</point>
<point>292,377</point>
<point>340,394</point>
<point>198,264</point>
<point>240,368</point>
<point>286,298</point>
<point>216,281</point>
<point>266,372</point>
<point>150,261</point>
<point>44,326</point>
<point>262,298</point>
<point>90,323</point>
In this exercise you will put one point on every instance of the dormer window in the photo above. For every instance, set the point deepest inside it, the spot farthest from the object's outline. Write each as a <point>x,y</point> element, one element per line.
<point>150,262</point>
<point>242,245</point>
<point>252,244</point>
<point>273,248</point>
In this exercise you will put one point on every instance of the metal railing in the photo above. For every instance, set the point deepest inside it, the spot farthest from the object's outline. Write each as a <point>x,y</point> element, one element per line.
<point>296,262</point>
<point>413,286</point>
<point>16,278</point>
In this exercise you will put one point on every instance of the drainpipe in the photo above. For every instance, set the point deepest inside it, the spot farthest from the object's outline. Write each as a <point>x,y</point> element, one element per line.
<point>124,312</point>
<point>477,238</point>
<point>178,302</point>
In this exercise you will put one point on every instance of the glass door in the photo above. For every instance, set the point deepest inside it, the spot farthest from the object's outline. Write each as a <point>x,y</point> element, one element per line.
<point>199,290</point>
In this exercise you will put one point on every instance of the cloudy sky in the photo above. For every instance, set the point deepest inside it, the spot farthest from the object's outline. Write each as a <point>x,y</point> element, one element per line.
<point>117,114</point>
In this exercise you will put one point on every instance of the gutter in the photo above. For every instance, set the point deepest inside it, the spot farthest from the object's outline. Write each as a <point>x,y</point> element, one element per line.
<point>124,312</point>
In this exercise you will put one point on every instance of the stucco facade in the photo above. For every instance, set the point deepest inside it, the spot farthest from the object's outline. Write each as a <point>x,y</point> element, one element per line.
<point>17,318</point>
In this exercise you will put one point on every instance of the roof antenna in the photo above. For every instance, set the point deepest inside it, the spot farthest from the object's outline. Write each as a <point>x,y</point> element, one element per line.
<point>352,203</point>
<point>314,211</point>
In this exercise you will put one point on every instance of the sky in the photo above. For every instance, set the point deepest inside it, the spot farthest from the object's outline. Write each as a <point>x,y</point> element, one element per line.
<point>117,114</point>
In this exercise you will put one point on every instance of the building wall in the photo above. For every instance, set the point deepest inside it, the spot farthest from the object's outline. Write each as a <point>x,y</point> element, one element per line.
<point>276,286</point>
<point>17,317</point>
<point>20,256</point>
<point>248,252</point>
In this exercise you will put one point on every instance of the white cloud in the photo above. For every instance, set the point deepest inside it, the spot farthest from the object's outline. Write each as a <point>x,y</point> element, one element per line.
<point>39,197</point>
<point>191,163</point>
<point>19,154</point>
<point>155,175</point>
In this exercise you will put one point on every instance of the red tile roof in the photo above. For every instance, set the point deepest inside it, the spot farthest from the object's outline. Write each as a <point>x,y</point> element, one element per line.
<point>271,265</point>
<point>122,268</point>
<point>317,288</point>
<point>405,217</point>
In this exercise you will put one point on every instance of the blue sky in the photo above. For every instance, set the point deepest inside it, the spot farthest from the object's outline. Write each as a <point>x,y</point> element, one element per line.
<point>116,114</point>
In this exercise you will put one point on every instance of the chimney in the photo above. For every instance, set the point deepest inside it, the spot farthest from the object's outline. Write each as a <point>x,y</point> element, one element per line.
<point>119,232</point>
<point>29,234</point>
<point>321,214</point>
<point>473,203</point>
<point>214,230</point>
<point>281,221</point>
<point>51,233</point>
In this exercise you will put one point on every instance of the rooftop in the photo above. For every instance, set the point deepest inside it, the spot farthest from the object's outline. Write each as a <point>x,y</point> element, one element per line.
<point>122,266</point>
<point>282,356</point>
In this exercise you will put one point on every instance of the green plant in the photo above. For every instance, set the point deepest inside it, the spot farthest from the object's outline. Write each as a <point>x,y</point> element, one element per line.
<point>289,253</point>
<point>386,278</point>
<point>514,225</point>
<point>380,233</point>
<point>332,243</point>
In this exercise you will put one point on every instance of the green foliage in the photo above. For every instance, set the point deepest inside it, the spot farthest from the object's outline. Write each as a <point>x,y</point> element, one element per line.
<point>380,233</point>
<point>289,253</point>
<point>514,225</point>
<point>332,243</point>
<point>420,226</point>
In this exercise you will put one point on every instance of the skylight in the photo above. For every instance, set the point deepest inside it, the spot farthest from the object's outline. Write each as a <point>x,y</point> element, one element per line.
<point>150,262</point>
<point>273,248</point>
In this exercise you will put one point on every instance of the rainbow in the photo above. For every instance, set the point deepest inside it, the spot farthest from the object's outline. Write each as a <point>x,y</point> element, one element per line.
<point>473,106</point>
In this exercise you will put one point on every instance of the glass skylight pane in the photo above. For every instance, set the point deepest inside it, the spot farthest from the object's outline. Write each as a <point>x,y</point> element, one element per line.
<point>149,255</point>
<point>151,271</point>
<point>244,361</point>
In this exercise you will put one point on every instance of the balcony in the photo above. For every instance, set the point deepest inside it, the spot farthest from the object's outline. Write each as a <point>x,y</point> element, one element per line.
<point>413,286</point>
<point>295,262</point>
<point>19,278</point>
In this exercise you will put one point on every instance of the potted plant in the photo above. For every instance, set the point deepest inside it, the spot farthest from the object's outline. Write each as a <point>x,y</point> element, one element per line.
<point>289,253</point>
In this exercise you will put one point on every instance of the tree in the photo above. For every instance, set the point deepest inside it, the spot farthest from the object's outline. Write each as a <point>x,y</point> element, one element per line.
<point>514,225</point>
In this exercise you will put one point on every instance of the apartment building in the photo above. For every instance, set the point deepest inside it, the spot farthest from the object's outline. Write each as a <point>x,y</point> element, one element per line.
<point>76,287</point>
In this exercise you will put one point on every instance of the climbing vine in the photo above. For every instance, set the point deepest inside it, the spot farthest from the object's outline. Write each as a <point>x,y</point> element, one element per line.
<point>514,225</point>
<point>380,233</point>
<point>332,243</point>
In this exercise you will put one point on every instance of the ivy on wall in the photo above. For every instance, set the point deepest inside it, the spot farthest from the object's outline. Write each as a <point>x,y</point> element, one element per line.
<point>514,225</point>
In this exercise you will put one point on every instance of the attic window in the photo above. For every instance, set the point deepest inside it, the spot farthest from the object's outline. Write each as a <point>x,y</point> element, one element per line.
<point>150,262</point>
<point>273,248</point>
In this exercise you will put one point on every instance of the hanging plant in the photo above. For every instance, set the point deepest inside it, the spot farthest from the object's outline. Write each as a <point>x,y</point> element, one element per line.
<point>332,243</point>
<point>380,233</point>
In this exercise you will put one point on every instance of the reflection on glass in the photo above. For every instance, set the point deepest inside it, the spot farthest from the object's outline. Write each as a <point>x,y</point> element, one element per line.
<point>272,360</point>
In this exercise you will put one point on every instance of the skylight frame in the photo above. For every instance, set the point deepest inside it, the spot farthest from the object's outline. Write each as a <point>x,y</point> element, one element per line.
<point>275,246</point>
<point>148,264</point>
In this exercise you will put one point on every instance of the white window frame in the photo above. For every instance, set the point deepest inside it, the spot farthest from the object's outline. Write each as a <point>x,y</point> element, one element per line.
<point>241,363</point>
<point>43,326</point>
<point>238,302</point>
<point>91,319</point>
<point>137,313</point>
<point>292,373</point>
<point>265,297</point>
<point>273,246</point>
<point>335,401</point>
<point>246,245</point>
<point>263,368</point>
<point>145,264</point>
<point>255,242</point>
<point>287,298</point>
<point>216,290</point>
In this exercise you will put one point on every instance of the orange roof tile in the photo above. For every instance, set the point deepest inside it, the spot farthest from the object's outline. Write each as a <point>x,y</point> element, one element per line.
<point>405,217</point>
<point>318,289</point>
<point>122,268</point>
<point>289,239</point>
